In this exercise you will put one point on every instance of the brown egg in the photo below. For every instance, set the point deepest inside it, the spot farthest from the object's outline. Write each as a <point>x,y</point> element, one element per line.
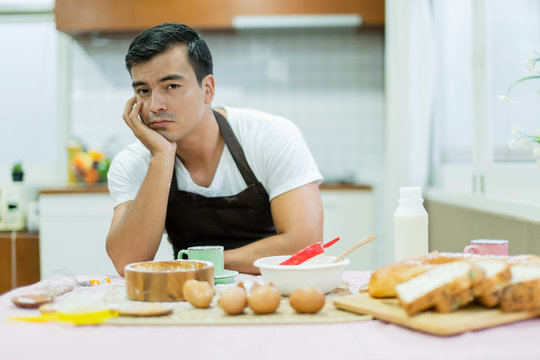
<point>256,285</point>
<point>198,293</point>
<point>307,300</point>
<point>233,300</point>
<point>264,299</point>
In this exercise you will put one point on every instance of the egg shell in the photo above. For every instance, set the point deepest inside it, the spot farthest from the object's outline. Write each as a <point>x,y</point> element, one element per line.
<point>233,300</point>
<point>264,299</point>
<point>307,300</point>
<point>198,293</point>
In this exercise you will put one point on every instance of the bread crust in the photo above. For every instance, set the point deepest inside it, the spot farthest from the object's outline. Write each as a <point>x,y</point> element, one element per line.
<point>383,281</point>
<point>437,258</point>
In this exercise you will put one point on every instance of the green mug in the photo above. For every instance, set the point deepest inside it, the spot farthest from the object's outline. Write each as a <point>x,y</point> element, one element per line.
<point>212,253</point>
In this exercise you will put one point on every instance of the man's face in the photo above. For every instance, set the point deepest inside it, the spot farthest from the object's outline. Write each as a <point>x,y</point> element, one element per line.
<point>173,103</point>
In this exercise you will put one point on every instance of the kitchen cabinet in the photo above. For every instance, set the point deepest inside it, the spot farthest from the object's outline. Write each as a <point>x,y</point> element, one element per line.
<point>74,225</point>
<point>348,213</point>
<point>73,228</point>
<point>19,259</point>
<point>128,16</point>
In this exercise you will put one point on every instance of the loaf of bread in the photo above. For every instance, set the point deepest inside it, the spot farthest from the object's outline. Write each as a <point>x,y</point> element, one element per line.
<point>448,281</point>
<point>383,281</point>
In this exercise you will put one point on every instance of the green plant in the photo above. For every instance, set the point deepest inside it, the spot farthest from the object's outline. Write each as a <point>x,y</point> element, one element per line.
<point>17,168</point>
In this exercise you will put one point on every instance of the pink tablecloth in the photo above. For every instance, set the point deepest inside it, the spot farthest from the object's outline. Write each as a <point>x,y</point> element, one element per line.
<point>355,340</point>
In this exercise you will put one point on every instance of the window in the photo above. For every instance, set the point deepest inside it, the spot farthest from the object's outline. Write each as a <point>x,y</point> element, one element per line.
<point>481,50</point>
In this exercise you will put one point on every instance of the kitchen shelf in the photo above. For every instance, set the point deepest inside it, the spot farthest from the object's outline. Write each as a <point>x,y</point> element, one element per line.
<point>131,16</point>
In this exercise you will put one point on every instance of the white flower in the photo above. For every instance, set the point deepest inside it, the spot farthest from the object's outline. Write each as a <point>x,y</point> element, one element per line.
<point>536,151</point>
<point>516,131</point>
<point>523,142</point>
<point>505,98</point>
<point>529,64</point>
<point>512,144</point>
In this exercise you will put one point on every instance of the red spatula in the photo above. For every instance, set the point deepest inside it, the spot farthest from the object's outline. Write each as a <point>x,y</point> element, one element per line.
<point>308,252</point>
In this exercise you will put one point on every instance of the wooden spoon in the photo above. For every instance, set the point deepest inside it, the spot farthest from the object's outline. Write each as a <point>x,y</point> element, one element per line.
<point>32,301</point>
<point>354,247</point>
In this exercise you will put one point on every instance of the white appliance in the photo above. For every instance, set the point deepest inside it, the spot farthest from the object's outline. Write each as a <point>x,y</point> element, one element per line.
<point>12,213</point>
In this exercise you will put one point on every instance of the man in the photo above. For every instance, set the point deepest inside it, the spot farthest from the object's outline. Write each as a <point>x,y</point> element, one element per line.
<point>233,177</point>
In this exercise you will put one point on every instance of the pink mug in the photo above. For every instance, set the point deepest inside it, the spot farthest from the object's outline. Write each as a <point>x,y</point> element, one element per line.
<point>487,247</point>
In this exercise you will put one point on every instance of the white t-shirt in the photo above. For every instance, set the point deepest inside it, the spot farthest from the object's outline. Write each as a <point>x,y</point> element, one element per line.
<point>274,148</point>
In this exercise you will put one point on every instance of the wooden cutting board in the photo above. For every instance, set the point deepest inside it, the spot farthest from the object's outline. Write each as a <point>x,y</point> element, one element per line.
<point>469,318</point>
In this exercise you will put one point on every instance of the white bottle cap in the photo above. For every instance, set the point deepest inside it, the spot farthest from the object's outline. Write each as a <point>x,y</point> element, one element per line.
<point>410,193</point>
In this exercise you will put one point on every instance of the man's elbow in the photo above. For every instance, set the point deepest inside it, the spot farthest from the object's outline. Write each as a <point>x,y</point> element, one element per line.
<point>119,265</point>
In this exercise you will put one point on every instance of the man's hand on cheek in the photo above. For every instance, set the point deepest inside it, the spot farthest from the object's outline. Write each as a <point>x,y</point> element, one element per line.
<point>154,141</point>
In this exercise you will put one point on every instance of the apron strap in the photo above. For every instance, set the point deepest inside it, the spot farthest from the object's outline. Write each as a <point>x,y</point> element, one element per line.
<point>236,150</point>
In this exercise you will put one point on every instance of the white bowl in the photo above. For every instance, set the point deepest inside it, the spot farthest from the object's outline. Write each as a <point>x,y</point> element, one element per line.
<point>319,272</point>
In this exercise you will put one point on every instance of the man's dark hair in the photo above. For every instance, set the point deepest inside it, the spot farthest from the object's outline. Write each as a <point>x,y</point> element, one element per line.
<point>161,38</point>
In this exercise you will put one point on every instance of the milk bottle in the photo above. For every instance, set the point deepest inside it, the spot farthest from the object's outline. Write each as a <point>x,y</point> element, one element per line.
<point>410,224</point>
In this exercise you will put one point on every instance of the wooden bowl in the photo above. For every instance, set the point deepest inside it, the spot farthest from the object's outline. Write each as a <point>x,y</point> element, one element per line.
<point>164,280</point>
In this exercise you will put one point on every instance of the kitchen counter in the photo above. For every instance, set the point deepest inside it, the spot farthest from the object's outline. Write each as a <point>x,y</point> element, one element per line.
<point>76,189</point>
<point>75,220</point>
<point>102,188</point>
<point>372,339</point>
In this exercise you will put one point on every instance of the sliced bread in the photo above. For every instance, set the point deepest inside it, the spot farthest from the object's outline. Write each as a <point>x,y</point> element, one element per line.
<point>451,299</point>
<point>523,291</point>
<point>490,299</point>
<point>497,275</point>
<point>447,303</point>
<point>436,285</point>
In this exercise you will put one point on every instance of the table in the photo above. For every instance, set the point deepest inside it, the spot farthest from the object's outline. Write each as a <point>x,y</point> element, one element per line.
<point>354,340</point>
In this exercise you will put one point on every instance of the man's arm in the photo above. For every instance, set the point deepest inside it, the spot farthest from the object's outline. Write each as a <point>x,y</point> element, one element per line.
<point>298,217</point>
<point>137,226</point>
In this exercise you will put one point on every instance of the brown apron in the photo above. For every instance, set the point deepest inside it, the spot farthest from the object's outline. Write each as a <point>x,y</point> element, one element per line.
<point>231,221</point>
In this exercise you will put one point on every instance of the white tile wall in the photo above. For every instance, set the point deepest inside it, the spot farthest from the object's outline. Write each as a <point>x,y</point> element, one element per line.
<point>330,83</point>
